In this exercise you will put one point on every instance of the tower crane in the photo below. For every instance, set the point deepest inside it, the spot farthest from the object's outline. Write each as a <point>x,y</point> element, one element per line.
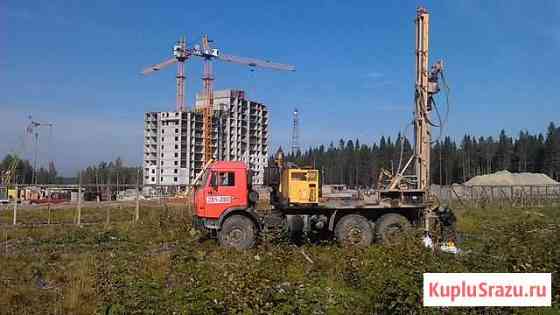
<point>181,53</point>
<point>33,129</point>
<point>208,53</point>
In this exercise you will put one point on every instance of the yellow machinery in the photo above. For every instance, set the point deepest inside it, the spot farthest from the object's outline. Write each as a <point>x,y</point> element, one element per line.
<point>300,186</point>
<point>295,185</point>
<point>13,194</point>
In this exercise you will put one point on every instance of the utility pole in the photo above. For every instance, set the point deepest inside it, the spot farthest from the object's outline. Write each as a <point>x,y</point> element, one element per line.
<point>295,132</point>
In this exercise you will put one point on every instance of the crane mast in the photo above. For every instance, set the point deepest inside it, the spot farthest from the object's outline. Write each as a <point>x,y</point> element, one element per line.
<point>33,129</point>
<point>180,52</point>
<point>208,108</point>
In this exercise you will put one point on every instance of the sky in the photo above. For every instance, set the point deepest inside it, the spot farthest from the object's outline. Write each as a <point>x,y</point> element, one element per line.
<point>77,65</point>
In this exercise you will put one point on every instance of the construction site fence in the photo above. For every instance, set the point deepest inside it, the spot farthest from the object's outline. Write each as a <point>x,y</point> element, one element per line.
<point>517,196</point>
<point>40,205</point>
<point>43,205</point>
<point>91,192</point>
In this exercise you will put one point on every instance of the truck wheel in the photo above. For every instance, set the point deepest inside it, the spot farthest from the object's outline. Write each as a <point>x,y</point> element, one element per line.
<point>390,227</point>
<point>295,227</point>
<point>353,229</point>
<point>238,232</point>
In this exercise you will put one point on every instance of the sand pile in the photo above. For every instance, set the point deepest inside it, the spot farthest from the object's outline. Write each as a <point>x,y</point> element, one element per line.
<point>505,178</point>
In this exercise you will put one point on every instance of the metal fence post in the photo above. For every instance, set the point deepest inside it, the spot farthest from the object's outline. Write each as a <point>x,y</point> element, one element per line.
<point>15,208</point>
<point>108,216</point>
<point>79,214</point>
<point>137,213</point>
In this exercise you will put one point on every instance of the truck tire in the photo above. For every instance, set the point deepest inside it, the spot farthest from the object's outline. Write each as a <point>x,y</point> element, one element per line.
<point>238,231</point>
<point>390,227</point>
<point>295,226</point>
<point>353,230</point>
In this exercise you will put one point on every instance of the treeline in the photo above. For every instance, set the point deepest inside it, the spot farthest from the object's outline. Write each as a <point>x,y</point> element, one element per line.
<point>24,172</point>
<point>111,173</point>
<point>359,165</point>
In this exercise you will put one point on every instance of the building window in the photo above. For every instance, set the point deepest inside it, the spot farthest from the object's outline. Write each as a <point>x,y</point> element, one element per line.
<point>176,154</point>
<point>176,130</point>
<point>161,162</point>
<point>162,130</point>
<point>161,138</point>
<point>162,155</point>
<point>176,146</point>
<point>176,171</point>
<point>176,138</point>
<point>153,171</point>
<point>175,162</point>
<point>161,179</point>
<point>162,147</point>
<point>153,179</point>
<point>174,179</point>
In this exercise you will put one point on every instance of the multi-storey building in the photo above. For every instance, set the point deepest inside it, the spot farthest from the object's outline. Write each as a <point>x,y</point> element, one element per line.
<point>173,142</point>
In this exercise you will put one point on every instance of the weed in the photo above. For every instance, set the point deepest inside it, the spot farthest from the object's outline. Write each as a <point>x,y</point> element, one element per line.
<point>158,266</point>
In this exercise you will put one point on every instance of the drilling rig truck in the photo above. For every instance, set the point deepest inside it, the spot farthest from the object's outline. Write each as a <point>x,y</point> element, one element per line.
<point>225,202</point>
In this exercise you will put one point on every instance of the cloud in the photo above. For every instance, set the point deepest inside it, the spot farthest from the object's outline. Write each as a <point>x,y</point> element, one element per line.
<point>375,79</point>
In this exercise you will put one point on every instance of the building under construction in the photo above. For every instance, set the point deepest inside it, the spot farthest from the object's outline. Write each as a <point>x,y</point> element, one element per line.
<point>174,143</point>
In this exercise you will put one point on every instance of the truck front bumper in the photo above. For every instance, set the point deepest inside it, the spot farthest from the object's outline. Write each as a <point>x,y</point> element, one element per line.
<point>205,224</point>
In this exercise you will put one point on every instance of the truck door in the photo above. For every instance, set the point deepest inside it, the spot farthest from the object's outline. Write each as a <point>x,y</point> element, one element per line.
<point>224,192</point>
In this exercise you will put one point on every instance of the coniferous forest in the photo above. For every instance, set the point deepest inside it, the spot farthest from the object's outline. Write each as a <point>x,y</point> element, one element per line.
<point>358,164</point>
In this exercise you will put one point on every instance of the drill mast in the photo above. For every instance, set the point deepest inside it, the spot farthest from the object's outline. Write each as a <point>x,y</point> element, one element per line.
<point>426,87</point>
<point>421,127</point>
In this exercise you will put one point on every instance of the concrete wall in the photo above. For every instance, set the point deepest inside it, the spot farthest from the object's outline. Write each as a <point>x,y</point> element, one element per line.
<point>164,158</point>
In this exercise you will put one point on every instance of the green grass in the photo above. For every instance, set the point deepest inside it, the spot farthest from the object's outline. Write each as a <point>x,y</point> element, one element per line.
<point>162,266</point>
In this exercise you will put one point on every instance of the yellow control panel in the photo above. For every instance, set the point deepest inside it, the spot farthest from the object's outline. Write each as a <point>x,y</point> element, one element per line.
<point>300,186</point>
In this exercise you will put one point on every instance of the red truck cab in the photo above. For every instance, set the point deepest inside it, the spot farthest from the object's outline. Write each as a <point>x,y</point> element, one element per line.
<point>223,186</point>
<point>222,203</point>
